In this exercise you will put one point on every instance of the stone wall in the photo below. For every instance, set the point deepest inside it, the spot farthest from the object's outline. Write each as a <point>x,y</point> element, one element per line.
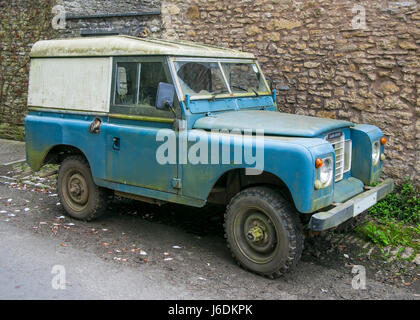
<point>144,26</point>
<point>21,24</point>
<point>319,63</point>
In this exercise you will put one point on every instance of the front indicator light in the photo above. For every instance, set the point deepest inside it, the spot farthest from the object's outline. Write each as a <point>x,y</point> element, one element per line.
<point>318,163</point>
<point>383,140</point>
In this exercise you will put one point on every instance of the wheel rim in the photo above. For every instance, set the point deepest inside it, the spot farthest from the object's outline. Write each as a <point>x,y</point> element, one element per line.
<point>75,190</point>
<point>256,235</point>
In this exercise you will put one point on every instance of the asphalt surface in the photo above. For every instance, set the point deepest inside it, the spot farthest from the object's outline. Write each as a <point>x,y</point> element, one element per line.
<point>11,151</point>
<point>139,251</point>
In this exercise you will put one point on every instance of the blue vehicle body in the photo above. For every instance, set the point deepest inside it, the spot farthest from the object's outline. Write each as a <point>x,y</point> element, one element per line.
<point>131,167</point>
<point>162,121</point>
<point>122,155</point>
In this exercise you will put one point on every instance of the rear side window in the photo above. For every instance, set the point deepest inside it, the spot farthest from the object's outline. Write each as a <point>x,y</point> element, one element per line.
<point>126,91</point>
<point>136,86</point>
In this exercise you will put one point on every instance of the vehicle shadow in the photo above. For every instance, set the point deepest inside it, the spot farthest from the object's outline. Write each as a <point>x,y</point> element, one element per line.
<point>206,221</point>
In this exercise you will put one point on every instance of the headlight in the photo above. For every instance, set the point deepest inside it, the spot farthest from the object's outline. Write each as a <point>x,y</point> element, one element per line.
<point>376,152</point>
<point>326,172</point>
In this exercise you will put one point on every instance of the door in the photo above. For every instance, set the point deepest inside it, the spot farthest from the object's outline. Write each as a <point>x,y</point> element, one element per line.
<point>134,125</point>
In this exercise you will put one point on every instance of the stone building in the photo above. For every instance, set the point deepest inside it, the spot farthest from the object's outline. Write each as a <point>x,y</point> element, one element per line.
<point>353,60</point>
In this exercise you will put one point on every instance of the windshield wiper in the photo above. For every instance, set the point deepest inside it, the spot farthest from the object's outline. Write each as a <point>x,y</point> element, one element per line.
<point>244,89</point>
<point>255,91</point>
<point>241,88</point>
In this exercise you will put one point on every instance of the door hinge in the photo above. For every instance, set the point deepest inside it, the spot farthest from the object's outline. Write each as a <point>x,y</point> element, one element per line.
<point>176,183</point>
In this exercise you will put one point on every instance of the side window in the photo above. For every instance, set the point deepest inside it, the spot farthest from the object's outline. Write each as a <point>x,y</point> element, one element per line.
<point>152,73</point>
<point>136,86</point>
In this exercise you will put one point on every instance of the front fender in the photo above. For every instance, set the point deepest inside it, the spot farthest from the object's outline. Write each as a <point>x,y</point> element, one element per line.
<point>290,159</point>
<point>363,136</point>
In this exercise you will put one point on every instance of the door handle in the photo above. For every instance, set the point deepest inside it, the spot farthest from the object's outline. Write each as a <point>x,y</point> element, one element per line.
<point>116,143</point>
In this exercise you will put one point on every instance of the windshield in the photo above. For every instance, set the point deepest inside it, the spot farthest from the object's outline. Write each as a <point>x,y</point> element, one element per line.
<point>200,79</point>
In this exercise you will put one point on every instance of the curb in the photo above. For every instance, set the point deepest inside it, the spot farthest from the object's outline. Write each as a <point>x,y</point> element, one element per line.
<point>14,162</point>
<point>353,240</point>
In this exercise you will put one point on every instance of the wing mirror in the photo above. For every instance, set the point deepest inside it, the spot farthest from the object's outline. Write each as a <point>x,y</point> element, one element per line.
<point>165,96</point>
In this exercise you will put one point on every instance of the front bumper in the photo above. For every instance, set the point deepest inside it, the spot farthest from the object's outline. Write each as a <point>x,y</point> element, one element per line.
<point>344,211</point>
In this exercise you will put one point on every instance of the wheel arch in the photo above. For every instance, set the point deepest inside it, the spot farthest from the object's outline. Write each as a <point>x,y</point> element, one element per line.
<point>235,180</point>
<point>57,154</point>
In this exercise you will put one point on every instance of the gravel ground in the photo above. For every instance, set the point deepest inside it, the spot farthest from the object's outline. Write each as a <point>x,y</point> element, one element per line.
<point>175,251</point>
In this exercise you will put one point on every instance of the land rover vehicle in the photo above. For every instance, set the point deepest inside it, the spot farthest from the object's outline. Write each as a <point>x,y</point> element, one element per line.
<point>109,110</point>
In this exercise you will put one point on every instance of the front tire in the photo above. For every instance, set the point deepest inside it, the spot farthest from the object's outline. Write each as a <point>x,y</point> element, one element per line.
<point>263,231</point>
<point>81,198</point>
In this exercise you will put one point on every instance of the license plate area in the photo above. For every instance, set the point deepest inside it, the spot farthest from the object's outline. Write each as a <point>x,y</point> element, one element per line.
<point>365,203</point>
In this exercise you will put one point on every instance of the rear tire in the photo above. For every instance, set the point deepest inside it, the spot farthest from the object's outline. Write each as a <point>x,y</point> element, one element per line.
<point>81,198</point>
<point>263,231</point>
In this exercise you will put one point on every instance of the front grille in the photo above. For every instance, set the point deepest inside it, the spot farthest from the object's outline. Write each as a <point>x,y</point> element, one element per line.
<point>342,149</point>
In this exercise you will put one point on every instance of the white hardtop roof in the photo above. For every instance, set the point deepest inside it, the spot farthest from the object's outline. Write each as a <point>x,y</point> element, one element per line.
<point>129,46</point>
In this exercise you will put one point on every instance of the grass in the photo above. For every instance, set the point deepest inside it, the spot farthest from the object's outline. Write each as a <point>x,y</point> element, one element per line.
<point>395,221</point>
<point>389,233</point>
<point>401,205</point>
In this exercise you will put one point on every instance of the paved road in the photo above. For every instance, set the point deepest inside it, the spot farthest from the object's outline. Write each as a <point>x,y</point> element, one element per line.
<point>11,151</point>
<point>184,256</point>
<point>27,263</point>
